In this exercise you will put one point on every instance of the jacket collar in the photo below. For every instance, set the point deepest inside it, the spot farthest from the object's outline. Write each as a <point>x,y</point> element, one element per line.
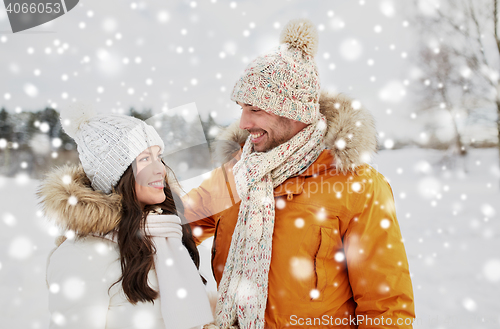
<point>69,200</point>
<point>355,127</point>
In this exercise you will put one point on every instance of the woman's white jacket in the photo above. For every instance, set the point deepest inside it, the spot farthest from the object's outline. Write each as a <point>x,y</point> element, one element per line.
<point>81,271</point>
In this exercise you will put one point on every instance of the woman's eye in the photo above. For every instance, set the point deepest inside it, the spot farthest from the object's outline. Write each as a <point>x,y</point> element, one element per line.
<point>144,159</point>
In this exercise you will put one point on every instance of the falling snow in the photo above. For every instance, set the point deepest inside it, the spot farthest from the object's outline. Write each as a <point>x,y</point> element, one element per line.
<point>301,268</point>
<point>491,270</point>
<point>73,288</point>
<point>20,248</point>
<point>449,217</point>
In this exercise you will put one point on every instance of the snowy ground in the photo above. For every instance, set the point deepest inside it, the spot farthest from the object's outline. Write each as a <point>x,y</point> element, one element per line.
<point>449,219</point>
<point>450,222</point>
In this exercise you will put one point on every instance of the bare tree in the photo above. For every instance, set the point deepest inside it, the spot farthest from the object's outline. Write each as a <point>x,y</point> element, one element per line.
<point>460,60</point>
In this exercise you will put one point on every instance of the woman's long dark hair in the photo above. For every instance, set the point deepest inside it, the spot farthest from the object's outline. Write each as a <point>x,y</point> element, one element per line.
<point>136,248</point>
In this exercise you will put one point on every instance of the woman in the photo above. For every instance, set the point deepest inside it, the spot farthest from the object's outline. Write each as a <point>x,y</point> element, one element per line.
<point>128,261</point>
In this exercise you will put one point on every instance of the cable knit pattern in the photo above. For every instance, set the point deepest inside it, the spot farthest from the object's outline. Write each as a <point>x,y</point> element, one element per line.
<point>244,285</point>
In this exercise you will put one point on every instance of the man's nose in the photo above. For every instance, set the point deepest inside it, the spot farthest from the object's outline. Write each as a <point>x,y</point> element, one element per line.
<point>245,120</point>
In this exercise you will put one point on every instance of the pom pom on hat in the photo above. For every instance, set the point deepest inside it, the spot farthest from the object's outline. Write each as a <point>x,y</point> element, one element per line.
<point>301,34</point>
<point>285,80</point>
<point>74,116</point>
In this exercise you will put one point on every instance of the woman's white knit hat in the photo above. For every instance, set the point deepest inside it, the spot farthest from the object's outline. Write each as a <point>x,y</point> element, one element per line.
<point>285,81</point>
<point>107,143</point>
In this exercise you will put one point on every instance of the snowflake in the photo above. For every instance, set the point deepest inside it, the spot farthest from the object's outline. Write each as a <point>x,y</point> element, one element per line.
<point>339,256</point>
<point>9,219</point>
<point>280,204</point>
<point>54,288</point>
<point>58,319</point>
<point>392,92</point>
<point>74,288</point>
<point>197,231</point>
<point>488,210</point>
<point>469,304</point>
<point>314,293</point>
<point>301,268</point>
<point>387,8</point>
<point>72,200</point>
<point>351,49</point>
<point>20,248</point>
<point>321,215</point>
<point>299,223</point>
<point>491,270</point>
<point>385,223</point>
<point>181,293</point>
<point>31,90</point>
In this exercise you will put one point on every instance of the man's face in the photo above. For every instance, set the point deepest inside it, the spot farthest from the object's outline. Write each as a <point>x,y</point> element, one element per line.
<point>268,130</point>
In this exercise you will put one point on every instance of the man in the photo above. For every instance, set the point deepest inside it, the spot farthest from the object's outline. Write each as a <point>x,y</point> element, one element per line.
<point>304,236</point>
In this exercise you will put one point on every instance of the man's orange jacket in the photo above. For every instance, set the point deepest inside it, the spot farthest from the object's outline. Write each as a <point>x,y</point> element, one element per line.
<point>338,258</point>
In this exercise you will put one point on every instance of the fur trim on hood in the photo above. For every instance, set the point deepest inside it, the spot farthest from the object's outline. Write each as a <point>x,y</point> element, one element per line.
<point>68,199</point>
<point>351,136</point>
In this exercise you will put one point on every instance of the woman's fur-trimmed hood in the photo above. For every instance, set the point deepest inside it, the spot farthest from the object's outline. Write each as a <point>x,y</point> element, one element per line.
<point>351,136</point>
<point>69,200</point>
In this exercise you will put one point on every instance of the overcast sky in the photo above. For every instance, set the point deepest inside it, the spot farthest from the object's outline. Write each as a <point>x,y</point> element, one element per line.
<point>163,54</point>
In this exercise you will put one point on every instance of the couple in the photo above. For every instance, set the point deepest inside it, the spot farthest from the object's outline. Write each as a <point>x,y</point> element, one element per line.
<point>306,234</point>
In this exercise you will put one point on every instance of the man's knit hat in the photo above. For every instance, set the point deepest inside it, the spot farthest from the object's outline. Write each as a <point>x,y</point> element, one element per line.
<point>285,81</point>
<point>107,144</point>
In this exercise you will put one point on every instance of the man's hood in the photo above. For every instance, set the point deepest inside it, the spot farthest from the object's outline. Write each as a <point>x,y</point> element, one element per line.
<point>351,136</point>
<point>69,200</point>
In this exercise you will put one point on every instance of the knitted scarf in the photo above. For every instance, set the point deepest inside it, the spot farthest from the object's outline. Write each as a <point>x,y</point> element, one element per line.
<point>244,286</point>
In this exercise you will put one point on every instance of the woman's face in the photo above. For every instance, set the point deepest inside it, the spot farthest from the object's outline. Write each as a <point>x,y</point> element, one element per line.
<point>149,177</point>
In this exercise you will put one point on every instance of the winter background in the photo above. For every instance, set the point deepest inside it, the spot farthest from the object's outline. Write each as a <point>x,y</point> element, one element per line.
<point>154,56</point>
